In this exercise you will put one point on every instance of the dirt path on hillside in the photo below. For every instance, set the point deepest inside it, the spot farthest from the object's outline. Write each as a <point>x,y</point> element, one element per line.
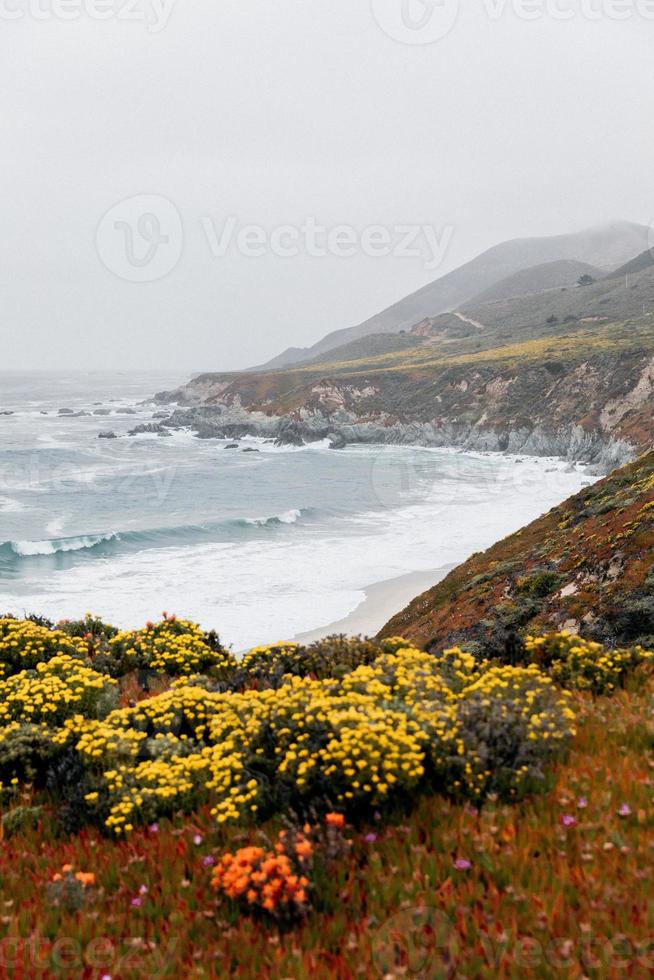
<point>467,319</point>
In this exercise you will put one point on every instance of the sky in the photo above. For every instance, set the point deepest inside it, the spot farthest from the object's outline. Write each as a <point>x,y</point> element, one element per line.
<point>197,185</point>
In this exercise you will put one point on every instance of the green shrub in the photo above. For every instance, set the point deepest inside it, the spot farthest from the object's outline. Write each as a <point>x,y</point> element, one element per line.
<point>581,664</point>
<point>512,723</point>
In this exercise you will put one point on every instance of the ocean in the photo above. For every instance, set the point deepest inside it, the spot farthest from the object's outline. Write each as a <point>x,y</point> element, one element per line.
<point>260,545</point>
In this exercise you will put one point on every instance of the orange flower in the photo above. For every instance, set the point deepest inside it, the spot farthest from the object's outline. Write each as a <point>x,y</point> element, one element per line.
<point>66,868</point>
<point>304,848</point>
<point>85,878</point>
<point>335,820</point>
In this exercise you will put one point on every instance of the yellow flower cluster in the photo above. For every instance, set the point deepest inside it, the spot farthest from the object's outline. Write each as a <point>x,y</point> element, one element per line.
<point>577,663</point>
<point>24,644</point>
<point>351,742</point>
<point>389,720</point>
<point>266,655</point>
<point>52,692</point>
<point>512,721</point>
<point>173,646</point>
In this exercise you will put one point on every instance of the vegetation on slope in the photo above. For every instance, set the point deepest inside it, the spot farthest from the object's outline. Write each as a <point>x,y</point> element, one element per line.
<point>597,377</point>
<point>587,565</point>
<point>606,247</point>
<point>558,883</point>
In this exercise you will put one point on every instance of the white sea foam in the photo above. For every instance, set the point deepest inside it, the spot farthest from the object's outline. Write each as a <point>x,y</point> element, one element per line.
<point>255,590</point>
<point>10,506</point>
<point>52,547</point>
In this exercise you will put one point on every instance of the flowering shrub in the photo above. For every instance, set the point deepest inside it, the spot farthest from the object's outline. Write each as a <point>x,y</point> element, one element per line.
<point>511,723</point>
<point>172,646</point>
<point>577,663</point>
<point>24,644</point>
<point>70,889</point>
<point>90,628</point>
<point>54,691</point>
<point>385,721</point>
<point>275,882</point>
<point>331,657</point>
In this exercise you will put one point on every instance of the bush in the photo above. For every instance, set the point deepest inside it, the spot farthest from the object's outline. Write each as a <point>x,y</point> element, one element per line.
<point>91,628</point>
<point>54,691</point>
<point>540,584</point>
<point>20,819</point>
<point>512,724</point>
<point>584,665</point>
<point>172,646</point>
<point>334,656</point>
<point>25,752</point>
<point>24,644</point>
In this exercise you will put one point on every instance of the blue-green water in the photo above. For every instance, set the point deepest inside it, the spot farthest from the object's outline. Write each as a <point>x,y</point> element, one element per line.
<point>259,545</point>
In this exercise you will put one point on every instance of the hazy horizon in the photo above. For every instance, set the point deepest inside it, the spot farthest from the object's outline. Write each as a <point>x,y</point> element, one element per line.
<point>234,132</point>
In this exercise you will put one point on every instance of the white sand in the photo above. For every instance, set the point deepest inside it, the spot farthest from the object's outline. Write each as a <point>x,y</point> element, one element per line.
<point>383,600</point>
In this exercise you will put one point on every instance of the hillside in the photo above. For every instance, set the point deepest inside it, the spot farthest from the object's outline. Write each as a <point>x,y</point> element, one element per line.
<point>606,247</point>
<point>538,279</point>
<point>583,390</point>
<point>611,298</point>
<point>586,566</point>
<point>639,264</point>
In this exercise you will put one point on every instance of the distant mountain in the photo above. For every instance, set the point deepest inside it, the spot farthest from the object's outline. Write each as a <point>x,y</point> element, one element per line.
<point>639,264</point>
<point>539,279</point>
<point>605,247</point>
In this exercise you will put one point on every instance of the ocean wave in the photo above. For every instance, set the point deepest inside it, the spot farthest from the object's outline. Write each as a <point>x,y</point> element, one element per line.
<point>288,517</point>
<point>112,542</point>
<point>53,546</point>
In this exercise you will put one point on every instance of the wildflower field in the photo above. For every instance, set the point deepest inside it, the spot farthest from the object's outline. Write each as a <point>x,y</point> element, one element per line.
<point>352,808</point>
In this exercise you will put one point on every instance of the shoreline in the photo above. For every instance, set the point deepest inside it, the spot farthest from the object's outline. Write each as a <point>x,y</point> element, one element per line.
<point>382,601</point>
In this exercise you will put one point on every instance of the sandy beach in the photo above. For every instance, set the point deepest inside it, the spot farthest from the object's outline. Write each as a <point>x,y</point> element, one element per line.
<point>382,601</point>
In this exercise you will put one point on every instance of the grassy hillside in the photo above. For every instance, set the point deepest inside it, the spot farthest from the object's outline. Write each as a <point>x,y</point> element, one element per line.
<point>639,264</point>
<point>551,275</point>
<point>606,247</point>
<point>587,565</point>
<point>610,299</point>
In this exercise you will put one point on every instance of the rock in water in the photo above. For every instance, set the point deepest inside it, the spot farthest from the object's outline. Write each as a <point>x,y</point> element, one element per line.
<point>289,434</point>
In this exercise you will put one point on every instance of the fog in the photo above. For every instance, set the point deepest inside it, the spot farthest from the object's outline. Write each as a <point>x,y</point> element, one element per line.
<point>199,185</point>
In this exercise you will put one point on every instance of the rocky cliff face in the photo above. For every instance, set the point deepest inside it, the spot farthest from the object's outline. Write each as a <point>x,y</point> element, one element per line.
<point>585,395</point>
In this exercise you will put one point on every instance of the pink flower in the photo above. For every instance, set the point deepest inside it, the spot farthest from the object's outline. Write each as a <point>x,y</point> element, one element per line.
<point>582,802</point>
<point>154,828</point>
<point>625,810</point>
<point>462,864</point>
<point>143,889</point>
<point>137,903</point>
<point>568,820</point>
<point>370,838</point>
<point>208,861</point>
<point>197,839</point>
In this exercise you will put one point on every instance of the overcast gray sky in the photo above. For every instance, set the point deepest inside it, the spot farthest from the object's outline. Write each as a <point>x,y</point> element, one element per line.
<point>272,112</point>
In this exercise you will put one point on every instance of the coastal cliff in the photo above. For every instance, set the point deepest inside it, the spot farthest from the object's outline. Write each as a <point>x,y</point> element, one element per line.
<point>582,392</point>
